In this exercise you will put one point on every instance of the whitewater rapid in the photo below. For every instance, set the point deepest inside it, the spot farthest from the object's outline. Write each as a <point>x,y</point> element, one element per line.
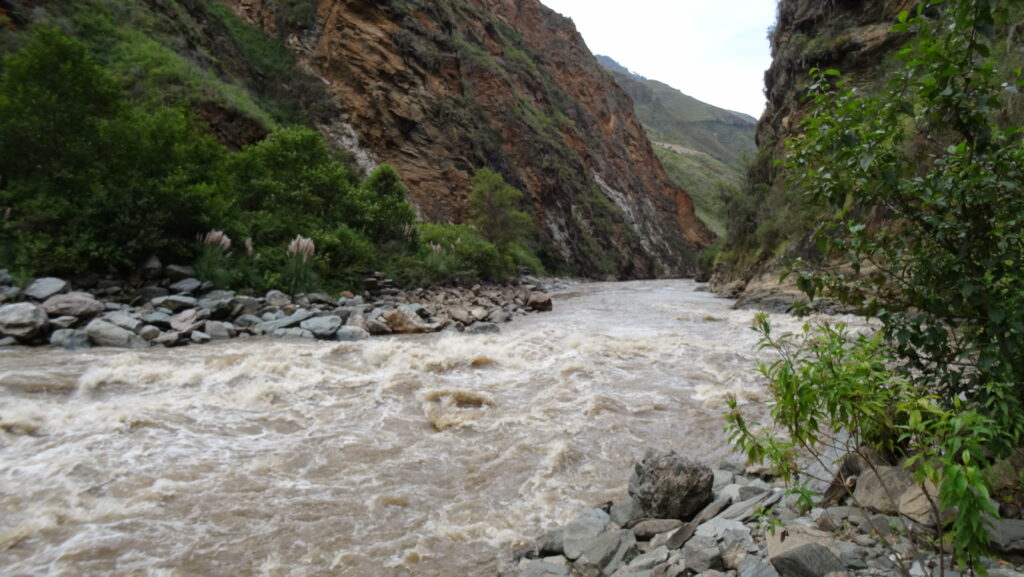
<point>434,455</point>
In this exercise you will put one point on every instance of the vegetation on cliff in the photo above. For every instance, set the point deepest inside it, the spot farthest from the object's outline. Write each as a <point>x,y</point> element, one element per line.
<point>107,160</point>
<point>920,225</point>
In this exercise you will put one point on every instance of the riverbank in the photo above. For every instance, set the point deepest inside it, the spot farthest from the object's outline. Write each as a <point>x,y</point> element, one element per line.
<point>683,518</point>
<point>176,309</point>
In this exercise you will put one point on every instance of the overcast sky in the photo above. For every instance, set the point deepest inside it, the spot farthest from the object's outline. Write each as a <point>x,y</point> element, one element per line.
<point>715,51</point>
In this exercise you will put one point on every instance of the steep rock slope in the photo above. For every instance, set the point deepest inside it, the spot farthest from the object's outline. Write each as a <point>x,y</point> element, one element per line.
<point>442,88</point>
<point>705,149</point>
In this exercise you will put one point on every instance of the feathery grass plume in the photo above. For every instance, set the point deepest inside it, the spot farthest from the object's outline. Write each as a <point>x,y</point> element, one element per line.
<point>298,274</point>
<point>213,262</point>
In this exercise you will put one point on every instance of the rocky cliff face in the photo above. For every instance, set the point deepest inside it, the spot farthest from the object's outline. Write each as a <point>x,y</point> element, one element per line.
<point>441,88</point>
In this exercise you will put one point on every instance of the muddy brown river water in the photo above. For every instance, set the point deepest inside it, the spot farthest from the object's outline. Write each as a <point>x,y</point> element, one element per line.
<point>434,455</point>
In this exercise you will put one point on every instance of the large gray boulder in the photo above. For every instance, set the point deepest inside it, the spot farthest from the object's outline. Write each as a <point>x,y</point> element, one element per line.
<point>1007,536</point>
<point>73,304</point>
<point>22,321</point>
<point>539,302</point>
<point>607,554</point>
<point>70,339</point>
<point>351,334</point>
<point>105,334</point>
<point>808,560</point>
<point>580,533</point>
<point>666,485</point>
<point>407,320</point>
<point>322,327</point>
<point>44,288</point>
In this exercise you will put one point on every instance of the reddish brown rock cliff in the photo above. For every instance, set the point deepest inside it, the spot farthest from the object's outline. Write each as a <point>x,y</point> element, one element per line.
<point>440,89</point>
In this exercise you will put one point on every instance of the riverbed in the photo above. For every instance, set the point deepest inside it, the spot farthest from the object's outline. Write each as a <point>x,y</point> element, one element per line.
<point>434,455</point>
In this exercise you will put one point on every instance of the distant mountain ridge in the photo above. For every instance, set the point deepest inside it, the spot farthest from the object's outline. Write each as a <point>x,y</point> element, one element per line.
<point>704,148</point>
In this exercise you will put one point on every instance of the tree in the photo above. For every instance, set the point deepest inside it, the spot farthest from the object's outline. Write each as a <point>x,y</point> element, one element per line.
<point>494,209</point>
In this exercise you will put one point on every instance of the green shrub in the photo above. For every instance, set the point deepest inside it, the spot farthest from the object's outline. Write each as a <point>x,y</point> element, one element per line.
<point>494,209</point>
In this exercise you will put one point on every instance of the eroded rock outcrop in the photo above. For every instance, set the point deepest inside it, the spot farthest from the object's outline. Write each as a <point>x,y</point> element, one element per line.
<point>439,89</point>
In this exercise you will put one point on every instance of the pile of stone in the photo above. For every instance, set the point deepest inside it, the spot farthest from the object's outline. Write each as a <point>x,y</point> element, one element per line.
<point>683,518</point>
<point>174,308</point>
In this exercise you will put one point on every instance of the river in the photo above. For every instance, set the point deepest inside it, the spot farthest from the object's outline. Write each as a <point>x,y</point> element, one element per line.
<point>432,455</point>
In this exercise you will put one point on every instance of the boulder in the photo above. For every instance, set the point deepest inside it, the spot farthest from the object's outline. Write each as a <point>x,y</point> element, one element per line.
<point>175,303</point>
<point>44,288</point>
<point>669,486</point>
<point>247,320</point>
<point>277,299</point>
<point>149,332</point>
<point>701,554</point>
<point>649,528</point>
<point>892,490</point>
<point>754,566</point>
<point>539,301</point>
<point>351,334</point>
<point>106,334</point>
<point>177,272</point>
<point>157,319</point>
<point>22,321</point>
<point>73,304</point>
<point>622,512</point>
<point>607,553</point>
<point>807,560</point>
<point>5,277</point>
<point>200,338</point>
<point>1007,536</point>
<point>9,293</point>
<point>63,322</point>
<point>483,329</point>
<point>124,320</point>
<point>289,321</point>
<point>219,331</point>
<point>70,339</point>
<point>407,320</point>
<point>186,321</point>
<point>168,339</point>
<point>582,530</point>
<point>293,333</point>
<point>460,314</point>
<point>377,326</point>
<point>322,327</point>
<point>243,305</point>
<point>186,285</point>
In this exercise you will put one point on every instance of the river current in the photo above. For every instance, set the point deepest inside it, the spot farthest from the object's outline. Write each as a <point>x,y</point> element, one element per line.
<point>434,455</point>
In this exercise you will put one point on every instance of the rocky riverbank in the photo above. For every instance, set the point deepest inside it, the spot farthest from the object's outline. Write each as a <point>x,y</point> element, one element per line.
<point>684,518</point>
<point>173,308</point>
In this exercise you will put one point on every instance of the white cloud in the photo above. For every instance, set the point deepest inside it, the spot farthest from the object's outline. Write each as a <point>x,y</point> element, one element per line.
<point>714,51</point>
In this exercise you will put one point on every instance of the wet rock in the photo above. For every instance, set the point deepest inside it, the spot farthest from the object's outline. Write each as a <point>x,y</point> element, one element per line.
<point>106,334</point>
<point>8,342</point>
<point>186,285</point>
<point>540,302</point>
<point>277,299</point>
<point>377,327</point>
<point>219,331</point>
<point>22,321</point>
<point>669,486</point>
<point>44,288</point>
<point>73,304</point>
<point>70,339</point>
<point>177,272</point>
<point>499,317</point>
<point>607,553</point>
<point>322,327</point>
<point>175,303</point>
<point>292,320</point>
<point>351,334</point>
<point>200,338</point>
<point>483,329</point>
<point>808,560</point>
<point>582,530</point>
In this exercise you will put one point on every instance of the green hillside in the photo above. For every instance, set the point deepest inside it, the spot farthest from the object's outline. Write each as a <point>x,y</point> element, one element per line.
<point>704,148</point>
